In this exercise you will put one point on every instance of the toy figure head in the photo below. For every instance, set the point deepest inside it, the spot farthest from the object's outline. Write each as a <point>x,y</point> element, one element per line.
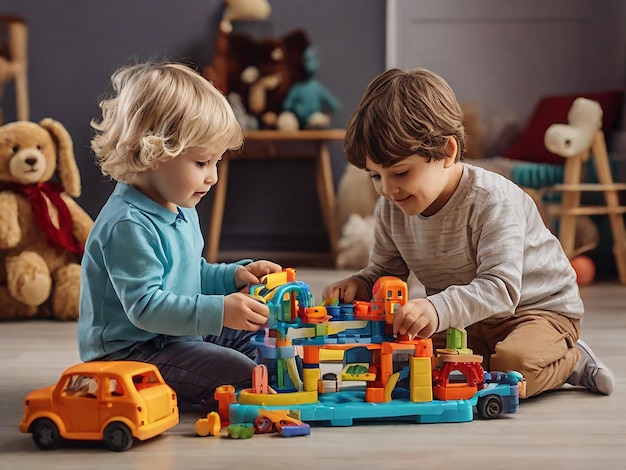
<point>311,64</point>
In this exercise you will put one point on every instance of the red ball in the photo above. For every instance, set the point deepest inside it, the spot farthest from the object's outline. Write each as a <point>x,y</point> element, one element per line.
<point>585,270</point>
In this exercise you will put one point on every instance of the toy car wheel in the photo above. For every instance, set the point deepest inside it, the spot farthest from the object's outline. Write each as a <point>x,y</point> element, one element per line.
<point>263,424</point>
<point>46,434</point>
<point>118,437</point>
<point>489,407</point>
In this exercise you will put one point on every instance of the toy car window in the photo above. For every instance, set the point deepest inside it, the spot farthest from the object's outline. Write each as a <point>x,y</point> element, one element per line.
<point>81,386</point>
<point>115,388</point>
<point>147,379</point>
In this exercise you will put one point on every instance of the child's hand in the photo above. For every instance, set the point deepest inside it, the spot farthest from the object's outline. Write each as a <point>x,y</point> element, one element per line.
<point>417,318</point>
<point>347,290</point>
<point>253,272</point>
<point>242,312</point>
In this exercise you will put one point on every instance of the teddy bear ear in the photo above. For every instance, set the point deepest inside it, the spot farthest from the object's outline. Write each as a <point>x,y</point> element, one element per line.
<point>66,162</point>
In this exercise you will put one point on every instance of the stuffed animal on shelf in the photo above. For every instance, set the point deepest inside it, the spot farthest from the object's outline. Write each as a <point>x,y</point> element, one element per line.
<point>243,10</point>
<point>234,10</point>
<point>42,229</point>
<point>261,72</point>
<point>308,99</point>
<point>257,73</point>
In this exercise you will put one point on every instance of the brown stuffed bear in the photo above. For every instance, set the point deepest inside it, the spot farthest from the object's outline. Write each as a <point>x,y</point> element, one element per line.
<point>259,71</point>
<point>42,229</point>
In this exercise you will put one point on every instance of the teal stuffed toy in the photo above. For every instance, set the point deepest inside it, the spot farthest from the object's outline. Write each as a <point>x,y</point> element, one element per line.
<point>309,100</point>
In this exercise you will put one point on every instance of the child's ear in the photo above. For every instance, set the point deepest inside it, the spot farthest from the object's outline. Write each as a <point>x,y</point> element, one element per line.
<point>452,149</point>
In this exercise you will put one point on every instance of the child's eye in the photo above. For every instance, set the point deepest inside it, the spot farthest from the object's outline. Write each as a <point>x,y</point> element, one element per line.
<point>402,173</point>
<point>202,164</point>
<point>374,176</point>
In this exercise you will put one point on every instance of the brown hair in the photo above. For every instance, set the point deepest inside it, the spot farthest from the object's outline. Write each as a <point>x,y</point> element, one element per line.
<point>404,113</point>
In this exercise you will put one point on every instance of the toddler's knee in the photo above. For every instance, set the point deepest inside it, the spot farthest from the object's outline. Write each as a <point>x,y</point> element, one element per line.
<point>509,358</point>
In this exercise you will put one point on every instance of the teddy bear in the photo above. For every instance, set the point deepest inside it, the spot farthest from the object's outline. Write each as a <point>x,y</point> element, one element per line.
<point>262,71</point>
<point>256,74</point>
<point>42,228</point>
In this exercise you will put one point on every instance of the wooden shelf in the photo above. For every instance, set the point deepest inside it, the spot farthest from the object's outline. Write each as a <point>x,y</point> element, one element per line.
<point>264,146</point>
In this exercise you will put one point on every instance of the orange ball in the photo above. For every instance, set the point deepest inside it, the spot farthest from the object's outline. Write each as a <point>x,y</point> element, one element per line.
<point>585,270</point>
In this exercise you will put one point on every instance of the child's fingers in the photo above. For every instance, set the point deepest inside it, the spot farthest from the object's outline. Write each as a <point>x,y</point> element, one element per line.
<point>347,292</point>
<point>246,277</point>
<point>258,309</point>
<point>405,321</point>
<point>253,324</point>
<point>263,267</point>
<point>332,292</point>
<point>398,323</point>
<point>413,324</point>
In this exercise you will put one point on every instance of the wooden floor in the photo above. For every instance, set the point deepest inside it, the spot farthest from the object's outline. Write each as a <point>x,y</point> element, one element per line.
<point>568,428</point>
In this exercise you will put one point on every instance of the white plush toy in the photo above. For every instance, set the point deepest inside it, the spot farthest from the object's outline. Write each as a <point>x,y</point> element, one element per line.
<point>569,140</point>
<point>356,198</point>
<point>355,243</point>
<point>355,194</point>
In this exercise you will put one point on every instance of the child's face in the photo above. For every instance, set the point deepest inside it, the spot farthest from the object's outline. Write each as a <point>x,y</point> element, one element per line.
<point>416,185</point>
<point>182,181</point>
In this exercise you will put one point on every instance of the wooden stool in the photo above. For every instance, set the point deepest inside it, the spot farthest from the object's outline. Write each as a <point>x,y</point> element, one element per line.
<point>323,178</point>
<point>15,66</point>
<point>570,206</point>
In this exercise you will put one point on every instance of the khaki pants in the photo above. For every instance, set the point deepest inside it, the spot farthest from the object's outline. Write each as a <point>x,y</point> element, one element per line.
<point>536,343</point>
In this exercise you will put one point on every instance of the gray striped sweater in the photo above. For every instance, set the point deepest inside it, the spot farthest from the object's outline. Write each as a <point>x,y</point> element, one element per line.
<point>486,253</point>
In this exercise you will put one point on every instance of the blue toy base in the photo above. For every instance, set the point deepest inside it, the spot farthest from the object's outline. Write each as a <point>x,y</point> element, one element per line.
<point>343,408</point>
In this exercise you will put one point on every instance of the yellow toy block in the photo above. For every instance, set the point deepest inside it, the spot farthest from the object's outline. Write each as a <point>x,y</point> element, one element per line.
<point>421,379</point>
<point>310,378</point>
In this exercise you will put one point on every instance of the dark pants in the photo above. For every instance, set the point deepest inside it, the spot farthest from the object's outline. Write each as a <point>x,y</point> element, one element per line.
<point>195,369</point>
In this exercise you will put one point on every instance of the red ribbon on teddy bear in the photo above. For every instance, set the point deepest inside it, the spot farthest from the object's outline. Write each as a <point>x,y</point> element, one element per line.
<point>60,237</point>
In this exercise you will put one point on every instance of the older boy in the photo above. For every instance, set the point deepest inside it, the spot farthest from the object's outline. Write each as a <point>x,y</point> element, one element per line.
<point>473,238</point>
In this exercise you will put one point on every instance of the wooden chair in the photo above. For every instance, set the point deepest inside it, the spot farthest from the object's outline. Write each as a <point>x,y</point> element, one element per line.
<point>570,206</point>
<point>14,63</point>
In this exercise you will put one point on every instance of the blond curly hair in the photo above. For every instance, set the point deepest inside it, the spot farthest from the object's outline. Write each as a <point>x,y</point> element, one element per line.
<point>158,110</point>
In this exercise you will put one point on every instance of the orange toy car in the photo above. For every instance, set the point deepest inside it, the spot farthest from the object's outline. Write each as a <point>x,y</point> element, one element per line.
<point>113,401</point>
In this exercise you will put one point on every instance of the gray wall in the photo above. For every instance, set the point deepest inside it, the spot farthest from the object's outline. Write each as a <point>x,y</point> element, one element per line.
<point>75,45</point>
<point>503,55</point>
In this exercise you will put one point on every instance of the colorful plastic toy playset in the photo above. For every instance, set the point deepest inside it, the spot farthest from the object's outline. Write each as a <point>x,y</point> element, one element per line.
<point>372,374</point>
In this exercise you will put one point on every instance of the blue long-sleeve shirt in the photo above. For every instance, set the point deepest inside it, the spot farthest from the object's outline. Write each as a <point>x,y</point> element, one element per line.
<point>144,278</point>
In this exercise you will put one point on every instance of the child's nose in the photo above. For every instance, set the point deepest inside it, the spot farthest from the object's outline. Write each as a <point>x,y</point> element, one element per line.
<point>211,176</point>
<point>388,187</point>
